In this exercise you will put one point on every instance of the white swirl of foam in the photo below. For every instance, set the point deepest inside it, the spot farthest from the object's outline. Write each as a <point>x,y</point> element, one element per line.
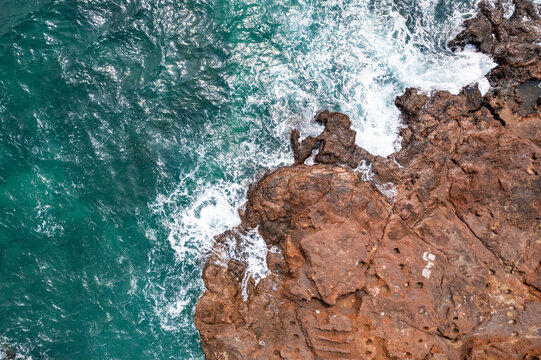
<point>356,56</point>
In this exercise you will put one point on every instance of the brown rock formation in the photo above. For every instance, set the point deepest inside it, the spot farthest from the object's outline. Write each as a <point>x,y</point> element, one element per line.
<point>432,253</point>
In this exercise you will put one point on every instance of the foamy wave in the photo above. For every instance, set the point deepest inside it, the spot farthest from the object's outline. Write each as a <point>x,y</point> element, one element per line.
<point>251,250</point>
<point>467,67</point>
<point>356,57</point>
<point>10,350</point>
<point>210,213</point>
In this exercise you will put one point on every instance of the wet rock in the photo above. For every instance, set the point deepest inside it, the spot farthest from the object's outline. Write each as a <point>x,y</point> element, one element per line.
<point>302,149</point>
<point>432,253</point>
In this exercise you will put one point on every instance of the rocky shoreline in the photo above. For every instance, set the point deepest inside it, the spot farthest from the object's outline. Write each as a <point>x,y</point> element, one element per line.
<point>431,253</point>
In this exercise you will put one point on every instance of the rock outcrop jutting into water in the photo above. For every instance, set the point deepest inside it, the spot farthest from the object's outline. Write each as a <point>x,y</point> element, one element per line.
<point>431,253</point>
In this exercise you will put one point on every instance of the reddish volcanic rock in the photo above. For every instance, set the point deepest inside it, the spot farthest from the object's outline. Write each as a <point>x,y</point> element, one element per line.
<point>432,253</point>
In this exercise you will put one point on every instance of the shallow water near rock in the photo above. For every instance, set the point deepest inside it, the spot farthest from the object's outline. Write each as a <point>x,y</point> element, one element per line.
<point>131,129</point>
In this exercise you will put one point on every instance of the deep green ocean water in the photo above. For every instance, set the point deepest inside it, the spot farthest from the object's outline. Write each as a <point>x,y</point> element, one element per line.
<point>130,129</point>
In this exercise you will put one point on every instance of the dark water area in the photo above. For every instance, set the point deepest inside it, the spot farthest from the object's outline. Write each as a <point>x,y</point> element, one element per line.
<point>130,129</point>
<point>530,92</point>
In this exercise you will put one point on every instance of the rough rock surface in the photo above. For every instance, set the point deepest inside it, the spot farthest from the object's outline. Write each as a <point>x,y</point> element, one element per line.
<point>432,253</point>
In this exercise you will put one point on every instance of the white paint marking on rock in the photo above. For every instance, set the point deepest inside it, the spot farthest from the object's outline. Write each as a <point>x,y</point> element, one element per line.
<point>429,258</point>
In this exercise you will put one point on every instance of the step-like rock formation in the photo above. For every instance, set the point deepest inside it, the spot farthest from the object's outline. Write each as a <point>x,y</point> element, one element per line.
<point>432,253</point>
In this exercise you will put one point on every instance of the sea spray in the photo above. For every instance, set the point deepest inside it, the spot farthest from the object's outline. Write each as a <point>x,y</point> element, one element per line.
<point>249,249</point>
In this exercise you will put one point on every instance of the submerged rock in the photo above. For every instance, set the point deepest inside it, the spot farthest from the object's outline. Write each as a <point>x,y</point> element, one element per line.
<point>431,253</point>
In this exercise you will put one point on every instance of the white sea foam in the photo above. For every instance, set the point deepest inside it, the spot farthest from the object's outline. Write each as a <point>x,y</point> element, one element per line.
<point>365,169</point>
<point>250,251</point>
<point>210,212</point>
<point>19,349</point>
<point>312,158</point>
<point>508,8</point>
<point>356,57</point>
<point>388,190</point>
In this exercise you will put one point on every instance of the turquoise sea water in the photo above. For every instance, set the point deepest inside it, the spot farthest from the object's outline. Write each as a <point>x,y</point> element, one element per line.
<point>130,129</point>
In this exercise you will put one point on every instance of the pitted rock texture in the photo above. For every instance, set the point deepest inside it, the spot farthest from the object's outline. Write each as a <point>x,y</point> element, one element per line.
<point>431,253</point>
